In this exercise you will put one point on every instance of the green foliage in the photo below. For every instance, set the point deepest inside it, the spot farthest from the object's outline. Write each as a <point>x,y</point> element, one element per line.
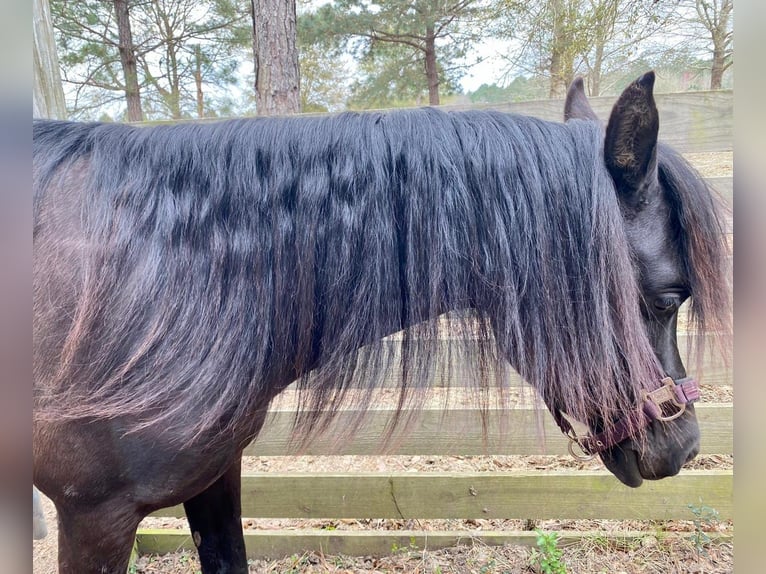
<point>489,94</point>
<point>324,78</point>
<point>519,90</point>
<point>412,547</point>
<point>705,518</point>
<point>547,556</point>
<point>392,76</point>
<point>392,42</point>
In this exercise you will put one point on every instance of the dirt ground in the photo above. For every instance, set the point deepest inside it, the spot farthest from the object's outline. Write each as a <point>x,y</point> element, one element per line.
<point>650,555</point>
<point>654,552</point>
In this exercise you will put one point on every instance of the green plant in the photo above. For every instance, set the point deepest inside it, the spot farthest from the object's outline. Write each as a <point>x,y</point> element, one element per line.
<point>396,549</point>
<point>548,554</point>
<point>705,518</point>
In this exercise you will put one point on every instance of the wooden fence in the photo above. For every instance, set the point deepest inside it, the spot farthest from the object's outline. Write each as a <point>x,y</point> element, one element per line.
<point>689,121</point>
<point>692,122</point>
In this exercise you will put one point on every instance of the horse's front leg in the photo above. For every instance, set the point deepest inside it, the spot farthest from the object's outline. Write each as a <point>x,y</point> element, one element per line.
<point>96,539</point>
<point>215,519</point>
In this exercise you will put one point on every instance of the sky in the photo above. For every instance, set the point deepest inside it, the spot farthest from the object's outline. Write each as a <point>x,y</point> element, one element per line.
<point>490,69</point>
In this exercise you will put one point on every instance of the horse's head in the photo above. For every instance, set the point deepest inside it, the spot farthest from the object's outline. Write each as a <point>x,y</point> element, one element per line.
<point>657,241</point>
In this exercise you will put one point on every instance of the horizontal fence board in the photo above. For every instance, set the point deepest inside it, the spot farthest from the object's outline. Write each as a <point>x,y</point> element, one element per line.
<point>536,495</point>
<point>689,121</point>
<point>273,544</point>
<point>714,371</point>
<point>459,432</point>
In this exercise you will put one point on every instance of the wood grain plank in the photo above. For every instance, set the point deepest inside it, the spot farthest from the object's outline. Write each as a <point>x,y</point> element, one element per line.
<point>522,430</point>
<point>537,495</point>
<point>713,370</point>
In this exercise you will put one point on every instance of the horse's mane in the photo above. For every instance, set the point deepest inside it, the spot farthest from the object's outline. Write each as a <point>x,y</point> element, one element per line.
<point>697,216</point>
<point>232,258</point>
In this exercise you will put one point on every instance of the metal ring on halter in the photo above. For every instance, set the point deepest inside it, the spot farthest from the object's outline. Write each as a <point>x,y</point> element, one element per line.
<point>574,440</point>
<point>665,394</point>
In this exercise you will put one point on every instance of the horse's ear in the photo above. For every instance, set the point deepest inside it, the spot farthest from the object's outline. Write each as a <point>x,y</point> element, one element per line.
<point>630,145</point>
<point>576,105</point>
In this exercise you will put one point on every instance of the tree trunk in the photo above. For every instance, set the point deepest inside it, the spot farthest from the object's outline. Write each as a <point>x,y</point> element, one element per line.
<point>715,17</point>
<point>595,73</point>
<point>172,96</point>
<point>720,38</point>
<point>558,85</point>
<point>432,70</point>
<point>277,80</point>
<point>717,69</point>
<point>47,93</point>
<point>198,81</point>
<point>175,80</point>
<point>128,61</point>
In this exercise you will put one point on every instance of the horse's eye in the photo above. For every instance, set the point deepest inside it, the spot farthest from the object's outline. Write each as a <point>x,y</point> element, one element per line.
<point>667,302</point>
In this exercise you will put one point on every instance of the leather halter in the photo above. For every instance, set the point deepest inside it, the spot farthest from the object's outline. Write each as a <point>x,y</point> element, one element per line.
<point>673,393</point>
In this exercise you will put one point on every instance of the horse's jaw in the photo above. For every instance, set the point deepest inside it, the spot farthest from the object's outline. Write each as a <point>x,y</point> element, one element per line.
<point>623,463</point>
<point>667,454</point>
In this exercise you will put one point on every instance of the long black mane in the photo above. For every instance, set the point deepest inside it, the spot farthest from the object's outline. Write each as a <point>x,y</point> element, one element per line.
<point>701,235</point>
<point>222,261</point>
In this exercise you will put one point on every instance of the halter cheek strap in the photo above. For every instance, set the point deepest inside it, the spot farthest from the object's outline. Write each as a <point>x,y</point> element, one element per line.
<point>675,394</point>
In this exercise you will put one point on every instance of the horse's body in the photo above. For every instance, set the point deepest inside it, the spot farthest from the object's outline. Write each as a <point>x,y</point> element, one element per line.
<point>185,275</point>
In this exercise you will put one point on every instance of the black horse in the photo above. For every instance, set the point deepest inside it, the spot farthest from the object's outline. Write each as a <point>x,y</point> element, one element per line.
<point>185,275</point>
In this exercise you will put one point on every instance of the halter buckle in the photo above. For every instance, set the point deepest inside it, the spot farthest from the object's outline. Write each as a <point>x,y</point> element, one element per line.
<point>666,393</point>
<point>583,455</point>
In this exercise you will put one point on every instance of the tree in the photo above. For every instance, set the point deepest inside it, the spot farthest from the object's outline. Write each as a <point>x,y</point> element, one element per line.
<point>563,38</point>
<point>552,35</point>
<point>422,40</point>
<point>716,17</point>
<point>324,79</point>
<point>190,41</point>
<point>47,94</point>
<point>88,50</point>
<point>618,31</point>
<point>277,79</point>
<point>128,60</point>
<point>520,89</point>
<point>152,55</point>
<point>391,75</point>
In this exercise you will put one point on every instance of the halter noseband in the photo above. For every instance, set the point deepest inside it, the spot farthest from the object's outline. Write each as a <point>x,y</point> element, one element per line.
<point>676,393</point>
